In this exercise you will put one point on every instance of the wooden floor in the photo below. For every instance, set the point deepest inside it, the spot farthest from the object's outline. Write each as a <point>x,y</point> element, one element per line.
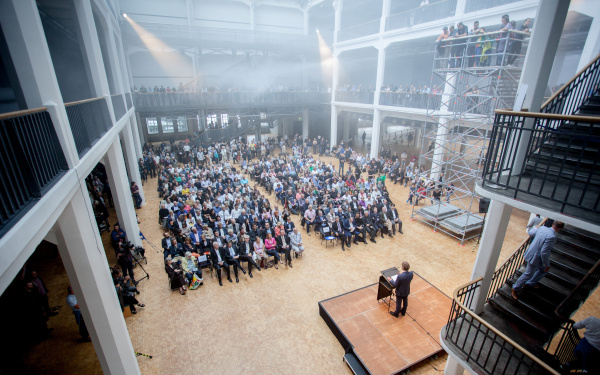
<point>383,343</point>
<point>269,324</point>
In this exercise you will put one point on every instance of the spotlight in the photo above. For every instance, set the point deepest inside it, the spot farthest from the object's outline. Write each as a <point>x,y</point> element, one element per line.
<point>317,30</point>
<point>124,14</point>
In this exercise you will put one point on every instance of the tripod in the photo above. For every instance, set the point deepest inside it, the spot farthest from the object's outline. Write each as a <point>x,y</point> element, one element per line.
<point>149,243</point>
<point>137,262</point>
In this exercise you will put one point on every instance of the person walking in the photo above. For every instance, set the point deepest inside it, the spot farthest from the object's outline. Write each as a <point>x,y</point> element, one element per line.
<point>537,257</point>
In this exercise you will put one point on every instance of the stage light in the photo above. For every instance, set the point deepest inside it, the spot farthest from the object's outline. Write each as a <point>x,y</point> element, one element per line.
<point>317,30</point>
<point>125,15</point>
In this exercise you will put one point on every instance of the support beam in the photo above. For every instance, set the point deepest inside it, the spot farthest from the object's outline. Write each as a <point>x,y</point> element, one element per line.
<point>492,238</point>
<point>334,130</point>
<point>117,177</point>
<point>84,258</point>
<point>375,134</point>
<point>133,170</point>
<point>453,367</point>
<point>305,114</point>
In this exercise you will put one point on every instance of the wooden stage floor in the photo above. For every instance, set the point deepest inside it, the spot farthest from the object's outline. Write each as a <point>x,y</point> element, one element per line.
<point>385,344</point>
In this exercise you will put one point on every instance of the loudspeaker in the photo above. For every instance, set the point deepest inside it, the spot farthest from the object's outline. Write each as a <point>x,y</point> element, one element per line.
<point>484,204</point>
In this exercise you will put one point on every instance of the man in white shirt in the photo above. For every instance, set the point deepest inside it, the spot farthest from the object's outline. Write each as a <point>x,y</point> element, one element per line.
<point>296,241</point>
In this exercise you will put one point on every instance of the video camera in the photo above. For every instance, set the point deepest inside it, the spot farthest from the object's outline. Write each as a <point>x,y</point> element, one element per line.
<point>138,252</point>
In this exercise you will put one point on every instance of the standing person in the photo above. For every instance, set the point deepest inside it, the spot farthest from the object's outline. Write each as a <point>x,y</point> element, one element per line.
<point>402,285</point>
<point>587,352</point>
<point>503,42</point>
<point>515,47</point>
<point>135,191</point>
<point>364,137</point>
<point>42,291</point>
<point>533,223</point>
<point>72,302</point>
<point>537,257</point>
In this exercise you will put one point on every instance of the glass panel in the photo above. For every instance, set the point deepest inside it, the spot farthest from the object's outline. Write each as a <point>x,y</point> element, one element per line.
<point>167,125</point>
<point>224,119</point>
<point>152,125</point>
<point>182,125</point>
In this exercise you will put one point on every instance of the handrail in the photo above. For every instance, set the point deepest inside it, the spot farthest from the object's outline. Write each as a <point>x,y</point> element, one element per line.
<point>498,284</point>
<point>83,101</point>
<point>576,290</point>
<point>580,72</point>
<point>549,116</point>
<point>22,113</point>
<point>498,333</point>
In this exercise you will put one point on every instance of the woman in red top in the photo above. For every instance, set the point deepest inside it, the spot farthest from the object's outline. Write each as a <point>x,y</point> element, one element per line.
<point>270,248</point>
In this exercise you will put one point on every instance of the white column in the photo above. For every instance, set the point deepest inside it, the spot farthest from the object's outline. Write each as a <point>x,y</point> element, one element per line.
<point>492,238</point>
<point>305,114</point>
<point>375,134</point>
<point>460,8</point>
<point>84,258</point>
<point>333,136</point>
<point>453,367</point>
<point>306,21</point>
<point>442,131</point>
<point>346,127</point>
<point>252,17</point>
<point>136,137</point>
<point>337,7</point>
<point>29,52</point>
<point>384,15</point>
<point>592,44</point>
<point>380,74</point>
<point>91,48</point>
<point>117,177</point>
<point>133,170</point>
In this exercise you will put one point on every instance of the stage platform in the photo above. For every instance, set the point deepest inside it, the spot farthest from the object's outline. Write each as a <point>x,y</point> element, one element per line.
<point>382,343</point>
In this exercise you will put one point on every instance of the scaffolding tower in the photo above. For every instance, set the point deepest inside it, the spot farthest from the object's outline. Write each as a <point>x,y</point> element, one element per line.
<point>472,77</point>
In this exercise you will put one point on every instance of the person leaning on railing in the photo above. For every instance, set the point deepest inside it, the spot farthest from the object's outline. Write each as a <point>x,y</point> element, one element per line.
<point>587,352</point>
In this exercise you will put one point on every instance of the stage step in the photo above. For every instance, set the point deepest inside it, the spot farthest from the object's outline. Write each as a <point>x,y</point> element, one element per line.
<point>355,366</point>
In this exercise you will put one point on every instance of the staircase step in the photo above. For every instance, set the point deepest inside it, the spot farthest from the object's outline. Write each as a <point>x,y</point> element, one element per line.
<point>562,145</point>
<point>563,277</point>
<point>549,289</point>
<point>519,314</point>
<point>568,251</point>
<point>572,266</point>
<point>580,243</point>
<point>542,308</point>
<point>566,172</point>
<point>576,231</point>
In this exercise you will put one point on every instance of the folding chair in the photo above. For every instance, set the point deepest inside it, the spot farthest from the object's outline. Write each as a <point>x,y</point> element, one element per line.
<point>204,262</point>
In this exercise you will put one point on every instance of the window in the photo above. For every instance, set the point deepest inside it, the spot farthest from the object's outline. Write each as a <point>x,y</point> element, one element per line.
<point>167,125</point>
<point>263,117</point>
<point>182,125</point>
<point>211,121</point>
<point>239,122</point>
<point>224,119</point>
<point>152,125</point>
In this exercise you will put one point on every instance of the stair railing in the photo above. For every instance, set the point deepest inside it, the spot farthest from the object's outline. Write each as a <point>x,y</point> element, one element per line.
<point>483,345</point>
<point>564,350</point>
<point>508,268</point>
<point>579,294</point>
<point>575,93</point>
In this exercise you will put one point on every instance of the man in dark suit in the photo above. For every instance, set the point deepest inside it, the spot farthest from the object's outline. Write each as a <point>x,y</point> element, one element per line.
<point>218,260</point>
<point>368,222</point>
<point>360,227</point>
<point>402,285</point>
<point>337,230</point>
<point>174,250</point>
<point>232,257</point>
<point>349,230</point>
<point>245,251</point>
<point>165,242</point>
<point>289,226</point>
<point>395,219</point>
<point>283,246</point>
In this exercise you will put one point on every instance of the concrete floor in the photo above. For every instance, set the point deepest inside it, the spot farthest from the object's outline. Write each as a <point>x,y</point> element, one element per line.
<point>268,324</point>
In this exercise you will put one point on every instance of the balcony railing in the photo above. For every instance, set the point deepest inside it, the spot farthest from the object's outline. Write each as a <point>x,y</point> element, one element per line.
<point>475,5</point>
<point>360,30</point>
<point>31,160</point>
<point>558,169</point>
<point>365,97</point>
<point>146,101</point>
<point>118,106</point>
<point>432,12</point>
<point>89,120</point>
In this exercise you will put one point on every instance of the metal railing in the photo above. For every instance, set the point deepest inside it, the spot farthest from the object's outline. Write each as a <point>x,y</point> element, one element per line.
<point>366,97</point>
<point>575,93</point>
<point>508,268</point>
<point>483,345</point>
<point>129,100</point>
<point>564,350</point>
<point>580,293</point>
<point>360,30</point>
<point>118,106</point>
<point>145,101</point>
<point>475,5</point>
<point>31,160</point>
<point>427,13</point>
<point>559,164</point>
<point>89,121</point>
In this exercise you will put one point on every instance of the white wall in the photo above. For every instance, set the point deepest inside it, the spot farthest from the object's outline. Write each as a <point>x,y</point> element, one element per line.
<point>172,69</point>
<point>157,11</point>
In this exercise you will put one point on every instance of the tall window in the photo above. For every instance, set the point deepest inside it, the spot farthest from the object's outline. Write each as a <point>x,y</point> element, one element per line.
<point>152,125</point>
<point>263,119</point>
<point>182,125</point>
<point>211,121</point>
<point>224,119</point>
<point>167,125</point>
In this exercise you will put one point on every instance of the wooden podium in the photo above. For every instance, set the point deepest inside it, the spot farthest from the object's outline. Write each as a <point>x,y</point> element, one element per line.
<point>385,290</point>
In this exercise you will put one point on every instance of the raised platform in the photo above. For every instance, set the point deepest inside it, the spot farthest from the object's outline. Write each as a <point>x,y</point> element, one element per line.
<point>464,223</point>
<point>439,211</point>
<point>381,343</point>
